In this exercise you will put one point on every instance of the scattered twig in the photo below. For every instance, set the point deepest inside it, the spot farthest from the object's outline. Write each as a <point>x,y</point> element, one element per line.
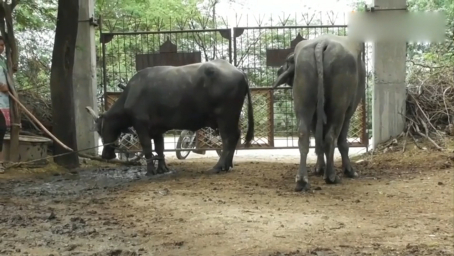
<point>429,105</point>
<point>405,141</point>
<point>112,161</point>
<point>424,113</point>
<point>444,102</point>
<point>393,140</point>
<point>414,140</point>
<point>430,139</point>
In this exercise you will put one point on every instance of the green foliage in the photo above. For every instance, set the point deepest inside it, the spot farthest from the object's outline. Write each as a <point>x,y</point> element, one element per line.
<point>34,24</point>
<point>35,15</point>
<point>440,54</point>
<point>146,9</point>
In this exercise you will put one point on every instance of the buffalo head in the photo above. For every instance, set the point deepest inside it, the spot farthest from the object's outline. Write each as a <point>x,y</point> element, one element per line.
<point>108,130</point>
<point>286,72</point>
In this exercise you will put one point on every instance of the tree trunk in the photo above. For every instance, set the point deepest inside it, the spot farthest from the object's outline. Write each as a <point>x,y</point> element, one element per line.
<point>12,57</point>
<point>61,82</point>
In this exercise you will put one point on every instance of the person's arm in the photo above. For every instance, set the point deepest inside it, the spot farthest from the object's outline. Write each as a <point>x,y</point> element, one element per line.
<point>3,86</point>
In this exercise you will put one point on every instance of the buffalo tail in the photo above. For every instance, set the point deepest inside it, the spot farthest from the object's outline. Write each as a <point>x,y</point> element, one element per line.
<point>250,112</point>
<point>321,116</point>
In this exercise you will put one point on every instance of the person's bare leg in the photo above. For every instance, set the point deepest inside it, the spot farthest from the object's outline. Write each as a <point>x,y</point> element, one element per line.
<point>3,130</point>
<point>2,168</point>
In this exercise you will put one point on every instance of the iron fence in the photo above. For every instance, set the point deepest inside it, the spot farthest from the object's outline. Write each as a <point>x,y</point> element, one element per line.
<point>258,50</point>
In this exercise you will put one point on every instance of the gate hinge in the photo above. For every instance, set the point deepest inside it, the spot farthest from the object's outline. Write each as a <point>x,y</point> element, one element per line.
<point>92,21</point>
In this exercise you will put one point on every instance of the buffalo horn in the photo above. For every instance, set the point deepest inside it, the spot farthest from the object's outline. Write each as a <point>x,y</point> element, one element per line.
<point>92,112</point>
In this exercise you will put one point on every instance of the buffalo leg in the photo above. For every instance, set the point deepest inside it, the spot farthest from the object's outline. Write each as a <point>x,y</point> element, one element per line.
<point>220,165</point>
<point>159,148</point>
<point>330,173</point>
<point>320,166</point>
<point>229,159</point>
<point>145,142</point>
<point>230,134</point>
<point>302,179</point>
<point>343,147</point>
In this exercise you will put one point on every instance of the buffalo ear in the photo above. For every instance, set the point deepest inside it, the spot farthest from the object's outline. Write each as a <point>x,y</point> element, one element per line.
<point>280,70</point>
<point>121,86</point>
<point>286,71</point>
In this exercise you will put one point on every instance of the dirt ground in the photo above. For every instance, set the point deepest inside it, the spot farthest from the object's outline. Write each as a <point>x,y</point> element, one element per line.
<point>401,205</point>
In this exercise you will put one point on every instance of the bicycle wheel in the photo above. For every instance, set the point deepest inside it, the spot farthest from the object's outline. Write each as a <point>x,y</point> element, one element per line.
<point>184,142</point>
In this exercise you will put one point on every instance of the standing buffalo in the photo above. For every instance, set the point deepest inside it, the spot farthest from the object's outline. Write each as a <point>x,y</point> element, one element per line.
<point>162,98</point>
<point>327,75</point>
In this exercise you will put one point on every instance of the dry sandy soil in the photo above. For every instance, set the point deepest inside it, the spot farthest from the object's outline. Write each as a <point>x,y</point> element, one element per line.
<point>401,205</point>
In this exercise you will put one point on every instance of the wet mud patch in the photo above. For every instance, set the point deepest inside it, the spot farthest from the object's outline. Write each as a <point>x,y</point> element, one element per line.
<point>77,182</point>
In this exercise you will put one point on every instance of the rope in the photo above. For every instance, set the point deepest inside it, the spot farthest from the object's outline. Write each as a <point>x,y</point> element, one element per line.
<point>154,157</point>
<point>48,157</point>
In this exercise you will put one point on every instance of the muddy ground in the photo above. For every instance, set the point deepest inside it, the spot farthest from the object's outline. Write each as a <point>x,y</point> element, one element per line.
<point>401,205</point>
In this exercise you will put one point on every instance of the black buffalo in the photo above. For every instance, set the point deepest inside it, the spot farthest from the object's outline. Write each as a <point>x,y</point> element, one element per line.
<point>162,98</point>
<point>327,75</point>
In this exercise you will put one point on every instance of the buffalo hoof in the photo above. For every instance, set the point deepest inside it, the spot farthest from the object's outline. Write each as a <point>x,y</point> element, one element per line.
<point>151,171</point>
<point>334,179</point>
<point>302,186</point>
<point>163,169</point>
<point>352,174</point>
<point>217,170</point>
<point>319,171</point>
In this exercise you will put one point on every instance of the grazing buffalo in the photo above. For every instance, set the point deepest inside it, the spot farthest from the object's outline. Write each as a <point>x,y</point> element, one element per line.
<point>162,98</point>
<point>327,76</point>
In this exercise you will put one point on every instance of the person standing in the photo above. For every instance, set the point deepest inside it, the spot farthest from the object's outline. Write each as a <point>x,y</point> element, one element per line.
<point>5,121</point>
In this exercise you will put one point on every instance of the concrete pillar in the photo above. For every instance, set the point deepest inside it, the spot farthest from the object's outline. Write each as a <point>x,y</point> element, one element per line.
<point>84,79</point>
<point>389,92</point>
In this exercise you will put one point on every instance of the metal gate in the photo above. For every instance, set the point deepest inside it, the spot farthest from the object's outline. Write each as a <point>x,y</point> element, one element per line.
<point>257,50</point>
